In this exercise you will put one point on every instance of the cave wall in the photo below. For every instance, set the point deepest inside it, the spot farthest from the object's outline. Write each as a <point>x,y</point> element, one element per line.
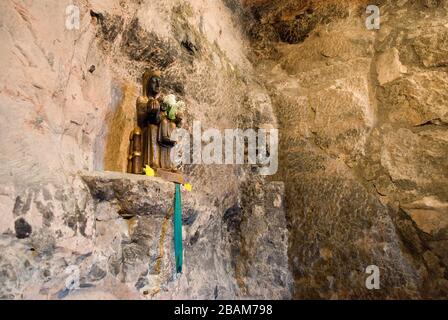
<point>363,142</point>
<point>67,106</point>
<point>363,171</point>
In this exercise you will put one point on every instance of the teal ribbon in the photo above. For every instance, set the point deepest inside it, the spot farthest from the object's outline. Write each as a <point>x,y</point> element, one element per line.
<point>178,228</point>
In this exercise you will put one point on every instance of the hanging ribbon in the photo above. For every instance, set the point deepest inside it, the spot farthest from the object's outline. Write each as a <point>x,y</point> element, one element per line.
<point>178,228</point>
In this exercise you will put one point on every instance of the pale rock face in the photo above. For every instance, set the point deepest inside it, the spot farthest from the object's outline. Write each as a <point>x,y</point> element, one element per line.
<point>433,49</point>
<point>389,66</point>
<point>417,159</point>
<point>418,99</point>
<point>6,215</point>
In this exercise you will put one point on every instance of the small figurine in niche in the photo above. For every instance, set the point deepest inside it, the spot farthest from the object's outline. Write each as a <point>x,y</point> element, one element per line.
<point>151,141</point>
<point>143,140</point>
<point>148,117</point>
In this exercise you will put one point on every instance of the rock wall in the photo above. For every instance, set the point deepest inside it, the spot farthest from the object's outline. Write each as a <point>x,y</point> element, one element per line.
<point>363,143</point>
<point>363,139</point>
<point>67,106</point>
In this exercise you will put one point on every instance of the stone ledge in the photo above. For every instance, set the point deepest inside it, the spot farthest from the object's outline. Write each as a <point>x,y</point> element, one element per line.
<point>135,194</point>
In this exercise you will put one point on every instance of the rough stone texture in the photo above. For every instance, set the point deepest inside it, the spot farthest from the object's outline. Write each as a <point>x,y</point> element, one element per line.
<point>259,240</point>
<point>363,145</point>
<point>363,118</point>
<point>389,66</point>
<point>67,105</point>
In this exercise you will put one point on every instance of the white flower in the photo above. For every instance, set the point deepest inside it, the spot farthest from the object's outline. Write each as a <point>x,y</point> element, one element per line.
<point>170,100</point>
<point>180,104</point>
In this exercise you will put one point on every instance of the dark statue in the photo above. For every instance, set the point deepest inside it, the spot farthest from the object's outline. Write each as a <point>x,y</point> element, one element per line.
<point>151,141</point>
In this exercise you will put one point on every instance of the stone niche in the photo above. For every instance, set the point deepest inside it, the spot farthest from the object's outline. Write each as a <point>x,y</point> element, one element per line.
<point>118,125</point>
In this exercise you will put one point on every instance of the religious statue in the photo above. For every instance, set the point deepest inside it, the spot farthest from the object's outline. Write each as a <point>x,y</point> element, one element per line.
<point>151,141</point>
<point>171,118</point>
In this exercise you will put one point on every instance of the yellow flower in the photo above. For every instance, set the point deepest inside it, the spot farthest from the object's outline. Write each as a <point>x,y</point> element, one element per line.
<point>149,171</point>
